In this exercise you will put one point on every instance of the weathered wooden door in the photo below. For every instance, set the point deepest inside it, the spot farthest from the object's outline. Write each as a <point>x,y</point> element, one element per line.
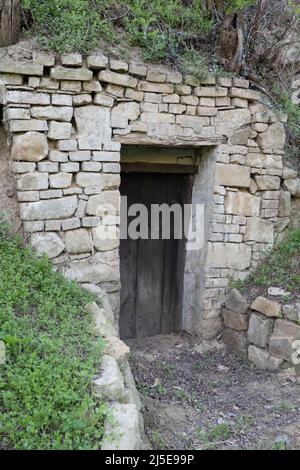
<point>152,270</point>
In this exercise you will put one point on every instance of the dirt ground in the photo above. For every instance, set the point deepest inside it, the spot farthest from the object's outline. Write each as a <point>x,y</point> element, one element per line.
<point>196,395</point>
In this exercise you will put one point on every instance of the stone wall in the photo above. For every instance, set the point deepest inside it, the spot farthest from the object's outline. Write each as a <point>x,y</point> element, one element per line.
<point>66,119</point>
<point>267,331</point>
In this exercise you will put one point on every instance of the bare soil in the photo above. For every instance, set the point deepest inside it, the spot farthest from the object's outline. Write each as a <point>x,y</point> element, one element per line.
<point>196,395</point>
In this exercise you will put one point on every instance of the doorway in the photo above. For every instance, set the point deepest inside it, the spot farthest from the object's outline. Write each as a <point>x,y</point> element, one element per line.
<point>152,270</point>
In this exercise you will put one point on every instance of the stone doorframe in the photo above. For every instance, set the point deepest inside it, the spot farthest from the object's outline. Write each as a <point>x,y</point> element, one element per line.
<point>66,120</point>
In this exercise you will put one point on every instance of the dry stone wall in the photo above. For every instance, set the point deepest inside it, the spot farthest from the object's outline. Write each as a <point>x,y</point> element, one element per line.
<point>266,331</point>
<point>66,119</point>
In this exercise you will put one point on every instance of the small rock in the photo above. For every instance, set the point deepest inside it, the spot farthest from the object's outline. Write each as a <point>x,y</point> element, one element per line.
<point>121,432</point>
<point>236,302</point>
<point>267,307</point>
<point>117,349</point>
<point>110,383</point>
<point>103,326</point>
<point>277,291</point>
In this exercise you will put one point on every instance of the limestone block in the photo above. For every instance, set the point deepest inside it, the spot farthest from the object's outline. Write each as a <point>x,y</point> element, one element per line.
<point>292,312</point>
<point>110,383</point>
<point>193,122</point>
<point>232,175</point>
<point>66,73</point>
<point>82,100</point>
<point>259,230</point>
<point>138,69</point>
<point>263,359</point>
<point>27,97</point>
<point>23,167</point>
<point>69,167</point>
<point>250,95</point>
<point>122,431</point>
<point>236,302</point>
<point>49,243</point>
<point>124,112</point>
<point>43,58</point>
<point>11,78</point>
<point>211,91</point>
<point>97,62</point>
<point>106,238</point>
<point>264,160</point>
<point>52,209</point>
<point>293,185</point>
<point>229,255</point>
<point>55,113</point>
<point>157,117</point>
<point>156,87</point>
<point>103,99</point>
<point>92,87</point>
<point>47,167</point>
<point>274,137</point>
<point>234,320</point>
<point>71,85</point>
<point>282,339</point>
<point>108,201</point>
<point>74,59</point>
<point>31,147</point>
<point>78,241</point>
<point>236,341</point>
<point>117,79</point>
<point>267,183</point>
<point>19,113</point>
<point>21,68</point>
<point>59,130</point>
<point>118,65</point>
<point>228,121</point>
<point>70,224</point>
<point>103,319</point>
<point>270,308</point>
<point>93,126</point>
<point>285,204</point>
<point>33,181</point>
<point>28,125</point>
<point>242,203</point>
<point>60,99</point>
<point>102,267</point>
<point>260,329</point>
<point>240,82</point>
<point>289,173</point>
<point>117,349</point>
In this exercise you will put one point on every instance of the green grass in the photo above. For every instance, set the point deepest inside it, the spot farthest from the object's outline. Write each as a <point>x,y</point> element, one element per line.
<point>281,267</point>
<point>46,400</point>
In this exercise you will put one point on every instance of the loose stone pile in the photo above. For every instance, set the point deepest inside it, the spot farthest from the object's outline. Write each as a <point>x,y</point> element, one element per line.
<point>66,119</point>
<point>265,331</point>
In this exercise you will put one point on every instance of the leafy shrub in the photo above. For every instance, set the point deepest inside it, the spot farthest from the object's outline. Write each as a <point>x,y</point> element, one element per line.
<point>280,267</point>
<point>292,110</point>
<point>68,25</point>
<point>46,400</point>
<point>162,29</point>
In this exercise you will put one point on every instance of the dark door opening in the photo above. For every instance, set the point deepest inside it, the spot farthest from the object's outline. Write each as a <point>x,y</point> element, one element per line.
<point>152,270</point>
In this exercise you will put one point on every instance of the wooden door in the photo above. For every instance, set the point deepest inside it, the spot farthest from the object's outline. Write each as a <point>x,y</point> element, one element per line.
<point>152,270</point>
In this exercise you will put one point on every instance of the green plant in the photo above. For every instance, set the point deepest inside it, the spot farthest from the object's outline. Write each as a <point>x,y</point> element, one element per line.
<point>292,110</point>
<point>52,356</point>
<point>68,25</point>
<point>279,266</point>
<point>158,440</point>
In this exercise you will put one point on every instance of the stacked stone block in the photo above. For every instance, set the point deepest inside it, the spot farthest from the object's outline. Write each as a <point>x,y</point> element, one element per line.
<point>66,120</point>
<point>266,332</point>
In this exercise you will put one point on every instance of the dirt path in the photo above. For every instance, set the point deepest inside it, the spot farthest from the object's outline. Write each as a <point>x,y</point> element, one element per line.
<point>198,396</point>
